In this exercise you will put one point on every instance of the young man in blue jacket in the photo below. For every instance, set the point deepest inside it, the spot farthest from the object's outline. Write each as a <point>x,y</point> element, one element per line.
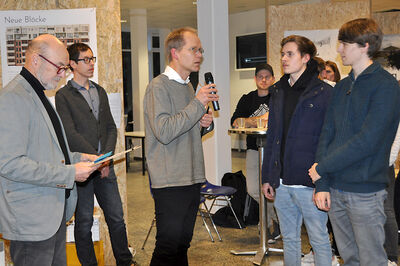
<point>297,110</point>
<point>351,169</point>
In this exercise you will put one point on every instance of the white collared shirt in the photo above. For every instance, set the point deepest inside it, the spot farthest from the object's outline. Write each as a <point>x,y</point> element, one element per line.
<point>173,75</point>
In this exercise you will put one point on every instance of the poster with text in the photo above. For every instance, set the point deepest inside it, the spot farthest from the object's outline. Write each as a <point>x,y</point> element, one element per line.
<point>19,27</point>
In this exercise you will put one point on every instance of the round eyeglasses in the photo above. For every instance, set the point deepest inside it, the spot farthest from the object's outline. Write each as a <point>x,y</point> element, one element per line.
<point>60,69</point>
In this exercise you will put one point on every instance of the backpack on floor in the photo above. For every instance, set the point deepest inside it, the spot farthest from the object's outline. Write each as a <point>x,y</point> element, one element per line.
<point>224,216</point>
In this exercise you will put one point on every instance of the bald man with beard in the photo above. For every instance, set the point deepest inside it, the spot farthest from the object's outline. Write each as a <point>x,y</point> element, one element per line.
<point>37,170</point>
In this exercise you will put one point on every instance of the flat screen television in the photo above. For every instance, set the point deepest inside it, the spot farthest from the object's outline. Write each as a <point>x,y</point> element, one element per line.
<point>251,50</point>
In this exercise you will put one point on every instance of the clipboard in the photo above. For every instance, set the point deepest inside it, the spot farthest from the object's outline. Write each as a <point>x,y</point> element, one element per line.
<point>115,155</point>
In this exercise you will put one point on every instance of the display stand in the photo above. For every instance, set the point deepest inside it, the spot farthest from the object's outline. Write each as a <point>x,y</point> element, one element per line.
<point>260,134</point>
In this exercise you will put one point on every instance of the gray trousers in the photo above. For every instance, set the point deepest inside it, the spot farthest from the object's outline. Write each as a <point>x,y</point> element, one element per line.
<point>358,220</point>
<point>253,186</point>
<point>391,235</point>
<point>49,252</point>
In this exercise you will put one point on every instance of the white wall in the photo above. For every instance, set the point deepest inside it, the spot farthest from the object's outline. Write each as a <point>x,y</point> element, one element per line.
<point>242,82</point>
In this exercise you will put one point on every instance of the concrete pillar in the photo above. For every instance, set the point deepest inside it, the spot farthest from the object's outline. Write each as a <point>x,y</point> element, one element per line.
<point>140,63</point>
<point>163,33</point>
<point>140,66</point>
<point>213,29</point>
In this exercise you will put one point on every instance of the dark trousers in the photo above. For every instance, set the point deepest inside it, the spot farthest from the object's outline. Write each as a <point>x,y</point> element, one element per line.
<point>176,209</point>
<point>107,194</point>
<point>391,235</point>
<point>49,252</point>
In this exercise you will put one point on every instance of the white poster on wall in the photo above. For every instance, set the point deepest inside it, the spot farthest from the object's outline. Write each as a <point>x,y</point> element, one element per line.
<point>19,27</point>
<point>326,42</point>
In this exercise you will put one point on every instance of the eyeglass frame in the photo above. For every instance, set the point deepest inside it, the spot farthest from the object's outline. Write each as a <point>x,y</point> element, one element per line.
<point>60,69</point>
<point>88,59</point>
<point>195,50</point>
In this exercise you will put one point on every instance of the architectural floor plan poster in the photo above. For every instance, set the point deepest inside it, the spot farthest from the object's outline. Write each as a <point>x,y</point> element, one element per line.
<point>19,27</point>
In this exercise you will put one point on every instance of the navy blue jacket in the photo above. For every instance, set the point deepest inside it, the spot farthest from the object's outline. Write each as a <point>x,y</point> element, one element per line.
<point>360,126</point>
<point>302,136</point>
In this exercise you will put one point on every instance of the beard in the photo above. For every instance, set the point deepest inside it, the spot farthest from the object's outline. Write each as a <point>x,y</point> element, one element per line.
<point>47,83</point>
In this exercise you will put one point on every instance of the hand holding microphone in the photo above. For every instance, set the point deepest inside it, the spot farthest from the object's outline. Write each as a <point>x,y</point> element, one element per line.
<point>210,80</point>
<point>207,94</point>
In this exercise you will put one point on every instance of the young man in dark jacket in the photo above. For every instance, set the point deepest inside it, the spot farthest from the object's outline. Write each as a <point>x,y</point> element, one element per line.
<point>353,152</point>
<point>297,110</point>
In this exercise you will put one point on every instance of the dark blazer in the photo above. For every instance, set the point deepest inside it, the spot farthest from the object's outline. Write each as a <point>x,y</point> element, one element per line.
<point>302,137</point>
<point>81,126</point>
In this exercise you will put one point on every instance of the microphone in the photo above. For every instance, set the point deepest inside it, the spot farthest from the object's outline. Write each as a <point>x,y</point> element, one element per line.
<point>209,80</point>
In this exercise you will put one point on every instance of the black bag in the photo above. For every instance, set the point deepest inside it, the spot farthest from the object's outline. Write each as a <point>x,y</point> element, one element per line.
<point>224,216</point>
<point>251,216</point>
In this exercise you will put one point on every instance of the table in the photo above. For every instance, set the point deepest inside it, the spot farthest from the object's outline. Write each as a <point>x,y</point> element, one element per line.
<point>136,135</point>
<point>260,134</point>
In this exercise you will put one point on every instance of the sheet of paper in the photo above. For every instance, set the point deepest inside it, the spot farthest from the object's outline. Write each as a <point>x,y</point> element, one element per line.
<point>115,100</point>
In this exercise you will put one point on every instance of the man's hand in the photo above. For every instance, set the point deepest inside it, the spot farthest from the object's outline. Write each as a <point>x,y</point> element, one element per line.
<point>268,191</point>
<point>312,172</point>
<point>85,157</point>
<point>206,120</point>
<point>323,200</point>
<point>204,94</point>
<point>83,170</point>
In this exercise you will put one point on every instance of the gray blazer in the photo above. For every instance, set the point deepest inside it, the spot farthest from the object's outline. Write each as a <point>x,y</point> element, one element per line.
<point>33,176</point>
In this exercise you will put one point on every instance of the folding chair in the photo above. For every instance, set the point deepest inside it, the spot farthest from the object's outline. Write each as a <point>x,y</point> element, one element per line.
<point>205,213</point>
<point>213,192</point>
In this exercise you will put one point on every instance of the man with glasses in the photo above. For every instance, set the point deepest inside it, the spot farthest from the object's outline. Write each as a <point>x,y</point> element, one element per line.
<point>173,118</point>
<point>37,169</point>
<point>253,106</point>
<point>85,112</point>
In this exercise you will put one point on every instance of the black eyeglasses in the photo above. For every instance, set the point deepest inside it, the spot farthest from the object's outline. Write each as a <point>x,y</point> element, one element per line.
<point>87,59</point>
<point>60,69</point>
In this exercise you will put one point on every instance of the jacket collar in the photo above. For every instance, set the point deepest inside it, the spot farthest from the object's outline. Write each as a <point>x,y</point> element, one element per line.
<point>375,66</point>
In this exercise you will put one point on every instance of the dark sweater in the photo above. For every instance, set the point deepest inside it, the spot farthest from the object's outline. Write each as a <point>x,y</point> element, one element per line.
<point>251,105</point>
<point>360,126</point>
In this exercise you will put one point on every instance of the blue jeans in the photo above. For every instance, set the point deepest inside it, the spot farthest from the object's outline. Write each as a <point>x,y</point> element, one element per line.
<point>292,206</point>
<point>357,220</point>
<point>107,194</point>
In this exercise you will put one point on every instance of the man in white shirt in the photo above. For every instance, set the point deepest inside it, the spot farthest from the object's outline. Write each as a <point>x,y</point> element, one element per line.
<point>173,119</point>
